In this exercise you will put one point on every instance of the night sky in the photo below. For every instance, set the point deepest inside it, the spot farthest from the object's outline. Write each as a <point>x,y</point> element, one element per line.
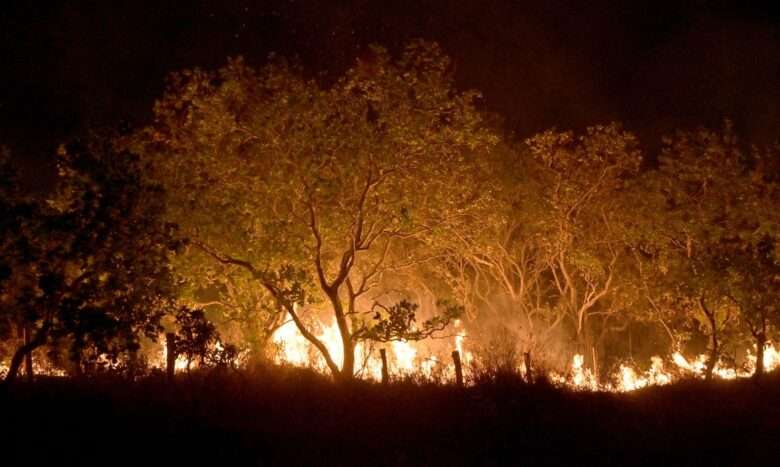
<point>67,66</point>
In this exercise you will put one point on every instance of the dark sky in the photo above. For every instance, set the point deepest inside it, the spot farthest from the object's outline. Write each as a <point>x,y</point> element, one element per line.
<point>653,64</point>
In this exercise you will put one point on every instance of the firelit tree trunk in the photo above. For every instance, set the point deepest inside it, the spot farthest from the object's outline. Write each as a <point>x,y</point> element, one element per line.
<point>16,362</point>
<point>585,346</point>
<point>714,348</point>
<point>760,343</point>
<point>347,371</point>
<point>23,352</point>
<point>13,368</point>
<point>712,359</point>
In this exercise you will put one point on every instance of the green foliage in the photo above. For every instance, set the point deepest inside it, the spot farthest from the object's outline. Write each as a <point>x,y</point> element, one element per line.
<point>398,322</point>
<point>89,271</point>
<point>710,236</point>
<point>338,186</point>
<point>195,336</point>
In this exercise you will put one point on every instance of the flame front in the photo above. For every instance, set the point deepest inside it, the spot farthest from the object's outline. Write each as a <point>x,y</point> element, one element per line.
<point>405,358</point>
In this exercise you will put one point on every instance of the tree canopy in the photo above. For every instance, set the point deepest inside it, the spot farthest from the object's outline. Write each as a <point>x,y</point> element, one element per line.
<point>319,192</point>
<point>88,271</point>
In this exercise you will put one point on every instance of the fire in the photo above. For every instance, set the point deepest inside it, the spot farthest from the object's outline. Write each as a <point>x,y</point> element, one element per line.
<point>626,378</point>
<point>162,361</point>
<point>410,358</point>
<point>582,377</point>
<point>656,376</point>
<point>771,358</point>
<point>404,357</point>
<point>466,356</point>
<point>293,347</point>
<point>38,369</point>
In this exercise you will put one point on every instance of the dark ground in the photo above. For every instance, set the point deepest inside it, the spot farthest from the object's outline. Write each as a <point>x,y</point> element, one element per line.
<point>296,418</point>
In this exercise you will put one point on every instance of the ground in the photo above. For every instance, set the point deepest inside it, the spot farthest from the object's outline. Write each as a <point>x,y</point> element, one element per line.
<point>291,417</point>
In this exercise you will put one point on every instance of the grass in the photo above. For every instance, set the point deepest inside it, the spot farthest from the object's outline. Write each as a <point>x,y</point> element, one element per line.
<point>295,417</point>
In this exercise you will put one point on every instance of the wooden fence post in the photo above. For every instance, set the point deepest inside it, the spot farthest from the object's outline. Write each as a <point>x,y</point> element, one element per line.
<point>385,374</point>
<point>458,368</point>
<point>170,353</point>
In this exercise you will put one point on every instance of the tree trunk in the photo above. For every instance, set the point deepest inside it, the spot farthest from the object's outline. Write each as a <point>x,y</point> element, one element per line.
<point>714,352</point>
<point>385,373</point>
<point>28,363</point>
<point>760,343</point>
<point>132,364</point>
<point>16,362</point>
<point>458,368</point>
<point>712,358</point>
<point>348,367</point>
<point>170,353</point>
<point>13,368</point>
<point>586,347</point>
<point>347,371</point>
<point>23,351</point>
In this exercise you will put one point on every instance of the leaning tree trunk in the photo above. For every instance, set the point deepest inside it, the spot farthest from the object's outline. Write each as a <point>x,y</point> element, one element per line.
<point>23,351</point>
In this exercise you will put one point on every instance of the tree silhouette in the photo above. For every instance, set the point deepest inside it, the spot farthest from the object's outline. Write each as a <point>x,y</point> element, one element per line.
<point>89,269</point>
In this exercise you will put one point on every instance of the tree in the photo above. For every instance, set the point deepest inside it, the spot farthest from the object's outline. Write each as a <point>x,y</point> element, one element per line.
<point>321,193</point>
<point>227,291</point>
<point>90,268</point>
<point>586,176</point>
<point>17,216</point>
<point>195,335</point>
<point>751,275</point>
<point>715,248</point>
<point>499,267</point>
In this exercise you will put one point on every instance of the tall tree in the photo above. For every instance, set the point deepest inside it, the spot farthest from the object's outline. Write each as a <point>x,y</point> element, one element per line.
<point>17,218</point>
<point>585,176</point>
<point>500,267</point>
<point>716,231</point>
<point>751,280</point>
<point>319,193</point>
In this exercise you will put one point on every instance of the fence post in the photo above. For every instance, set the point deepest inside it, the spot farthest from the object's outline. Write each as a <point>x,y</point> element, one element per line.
<point>458,368</point>
<point>170,353</point>
<point>385,375</point>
